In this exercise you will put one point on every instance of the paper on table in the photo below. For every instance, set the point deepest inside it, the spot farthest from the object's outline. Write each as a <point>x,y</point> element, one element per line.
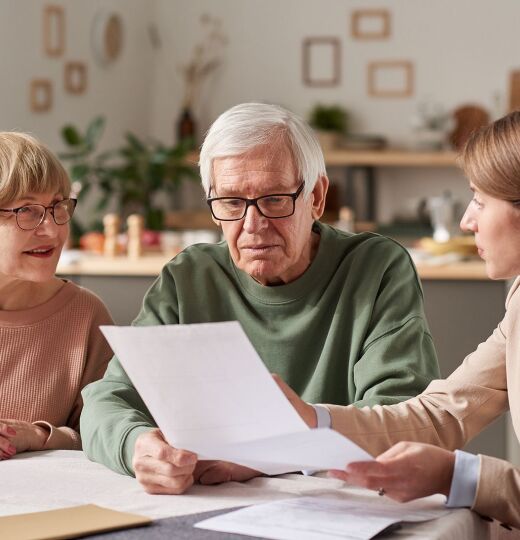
<point>209,392</point>
<point>73,522</point>
<point>318,518</point>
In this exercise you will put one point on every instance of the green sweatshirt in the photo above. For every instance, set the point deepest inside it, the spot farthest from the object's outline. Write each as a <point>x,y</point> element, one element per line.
<point>351,329</point>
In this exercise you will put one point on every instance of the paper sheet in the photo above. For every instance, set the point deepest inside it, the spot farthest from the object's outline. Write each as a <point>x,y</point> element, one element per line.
<point>73,522</point>
<point>319,518</point>
<point>210,393</point>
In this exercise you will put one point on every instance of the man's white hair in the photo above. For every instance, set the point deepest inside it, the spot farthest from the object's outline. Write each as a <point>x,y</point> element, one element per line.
<point>245,126</point>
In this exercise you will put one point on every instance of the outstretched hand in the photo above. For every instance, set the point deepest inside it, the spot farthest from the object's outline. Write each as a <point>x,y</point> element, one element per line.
<point>406,471</point>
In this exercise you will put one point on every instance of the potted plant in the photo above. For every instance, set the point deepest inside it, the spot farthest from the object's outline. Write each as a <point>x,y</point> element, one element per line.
<point>330,123</point>
<point>133,176</point>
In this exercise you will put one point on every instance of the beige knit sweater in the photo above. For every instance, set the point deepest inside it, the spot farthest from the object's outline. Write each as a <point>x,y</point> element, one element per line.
<point>48,353</point>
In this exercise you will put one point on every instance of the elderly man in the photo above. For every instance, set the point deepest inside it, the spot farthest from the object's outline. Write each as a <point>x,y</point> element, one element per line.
<point>338,316</point>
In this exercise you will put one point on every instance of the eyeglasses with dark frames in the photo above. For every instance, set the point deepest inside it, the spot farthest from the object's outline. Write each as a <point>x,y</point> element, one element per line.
<point>272,206</point>
<point>31,216</point>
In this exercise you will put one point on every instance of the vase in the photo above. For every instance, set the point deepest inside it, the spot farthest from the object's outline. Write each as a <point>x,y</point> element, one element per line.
<point>186,129</point>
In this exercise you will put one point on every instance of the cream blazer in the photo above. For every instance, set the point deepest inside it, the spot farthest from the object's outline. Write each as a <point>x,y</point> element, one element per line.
<point>452,411</point>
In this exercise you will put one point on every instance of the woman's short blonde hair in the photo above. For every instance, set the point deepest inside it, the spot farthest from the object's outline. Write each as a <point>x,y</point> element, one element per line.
<point>27,166</point>
<point>491,158</point>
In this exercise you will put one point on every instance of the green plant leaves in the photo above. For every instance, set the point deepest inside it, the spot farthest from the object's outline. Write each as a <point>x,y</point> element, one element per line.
<point>130,175</point>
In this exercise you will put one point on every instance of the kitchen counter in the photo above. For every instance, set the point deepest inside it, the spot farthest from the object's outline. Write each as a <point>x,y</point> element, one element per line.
<point>149,265</point>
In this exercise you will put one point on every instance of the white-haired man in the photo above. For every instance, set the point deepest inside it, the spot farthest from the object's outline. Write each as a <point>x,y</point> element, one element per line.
<point>339,317</point>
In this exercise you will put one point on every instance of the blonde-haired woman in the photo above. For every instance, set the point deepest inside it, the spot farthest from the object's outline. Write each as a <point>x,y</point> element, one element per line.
<point>51,343</point>
<point>450,412</point>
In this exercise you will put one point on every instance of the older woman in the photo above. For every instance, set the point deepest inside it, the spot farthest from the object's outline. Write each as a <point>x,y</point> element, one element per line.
<point>51,344</point>
<point>340,316</point>
<point>450,412</point>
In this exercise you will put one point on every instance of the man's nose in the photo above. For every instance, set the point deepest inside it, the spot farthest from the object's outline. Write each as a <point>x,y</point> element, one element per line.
<point>254,220</point>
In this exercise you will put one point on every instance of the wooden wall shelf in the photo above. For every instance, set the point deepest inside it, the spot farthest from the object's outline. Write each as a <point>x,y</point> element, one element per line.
<point>390,158</point>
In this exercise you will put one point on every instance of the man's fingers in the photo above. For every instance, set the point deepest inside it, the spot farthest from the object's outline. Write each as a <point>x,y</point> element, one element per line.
<point>216,474</point>
<point>150,465</point>
<point>179,458</point>
<point>158,484</point>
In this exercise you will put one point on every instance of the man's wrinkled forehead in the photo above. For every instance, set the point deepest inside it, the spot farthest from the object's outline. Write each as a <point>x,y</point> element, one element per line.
<point>264,164</point>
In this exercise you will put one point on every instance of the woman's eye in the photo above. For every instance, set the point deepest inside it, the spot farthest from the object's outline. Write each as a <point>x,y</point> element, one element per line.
<point>477,203</point>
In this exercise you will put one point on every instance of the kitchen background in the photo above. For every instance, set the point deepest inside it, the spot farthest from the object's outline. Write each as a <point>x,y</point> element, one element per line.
<point>68,62</point>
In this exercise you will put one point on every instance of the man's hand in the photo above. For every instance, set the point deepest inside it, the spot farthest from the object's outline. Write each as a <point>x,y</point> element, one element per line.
<point>218,472</point>
<point>406,471</point>
<point>159,467</point>
<point>18,436</point>
<point>305,410</point>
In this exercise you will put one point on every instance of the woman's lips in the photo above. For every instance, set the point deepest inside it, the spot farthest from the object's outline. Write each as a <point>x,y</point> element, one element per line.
<point>40,253</point>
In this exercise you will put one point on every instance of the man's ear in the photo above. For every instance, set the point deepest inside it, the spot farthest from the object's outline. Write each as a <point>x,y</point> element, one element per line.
<point>319,195</point>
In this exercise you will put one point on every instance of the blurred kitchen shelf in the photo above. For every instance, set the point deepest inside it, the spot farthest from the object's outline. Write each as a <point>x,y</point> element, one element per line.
<point>378,158</point>
<point>390,158</point>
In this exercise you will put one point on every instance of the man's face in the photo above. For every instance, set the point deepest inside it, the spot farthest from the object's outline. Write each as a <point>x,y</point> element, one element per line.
<point>272,251</point>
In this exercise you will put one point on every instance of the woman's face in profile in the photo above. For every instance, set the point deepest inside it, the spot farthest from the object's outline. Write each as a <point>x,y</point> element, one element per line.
<point>31,255</point>
<point>496,226</point>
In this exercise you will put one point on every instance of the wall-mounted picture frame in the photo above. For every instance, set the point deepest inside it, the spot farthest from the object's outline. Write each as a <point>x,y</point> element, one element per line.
<point>370,24</point>
<point>40,95</point>
<point>53,30</point>
<point>390,79</point>
<point>321,61</point>
<point>75,77</point>
<point>107,36</point>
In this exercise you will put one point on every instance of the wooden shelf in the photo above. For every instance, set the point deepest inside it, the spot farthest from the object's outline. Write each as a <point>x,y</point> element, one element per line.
<point>378,158</point>
<point>390,158</point>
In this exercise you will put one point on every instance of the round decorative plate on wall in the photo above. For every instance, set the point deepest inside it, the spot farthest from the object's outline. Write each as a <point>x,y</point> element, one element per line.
<point>107,37</point>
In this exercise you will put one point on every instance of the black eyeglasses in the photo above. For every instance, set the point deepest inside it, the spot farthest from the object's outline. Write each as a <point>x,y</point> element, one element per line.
<point>31,216</point>
<point>273,206</point>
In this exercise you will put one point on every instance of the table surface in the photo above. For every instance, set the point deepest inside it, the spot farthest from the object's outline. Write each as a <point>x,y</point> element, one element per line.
<point>39,481</point>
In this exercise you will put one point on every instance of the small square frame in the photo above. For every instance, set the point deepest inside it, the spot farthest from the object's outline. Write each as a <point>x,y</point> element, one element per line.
<point>41,95</point>
<point>310,46</point>
<point>75,77</point>
<point>53,30</point>
<point>361,17</point>
<point>375,89</point>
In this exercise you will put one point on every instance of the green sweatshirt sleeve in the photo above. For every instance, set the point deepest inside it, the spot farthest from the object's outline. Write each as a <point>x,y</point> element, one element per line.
<point>398,359</point>
<point>114,414</point>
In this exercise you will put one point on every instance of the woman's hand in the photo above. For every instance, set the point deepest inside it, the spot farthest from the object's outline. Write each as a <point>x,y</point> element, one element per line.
<point>18,436</point>
<point>406,471</point>
<point>305,410</point>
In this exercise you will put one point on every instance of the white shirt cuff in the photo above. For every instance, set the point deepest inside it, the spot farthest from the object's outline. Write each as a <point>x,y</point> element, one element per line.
<point>464,482</point>
<point>322,416</point>
<point>323,420</point>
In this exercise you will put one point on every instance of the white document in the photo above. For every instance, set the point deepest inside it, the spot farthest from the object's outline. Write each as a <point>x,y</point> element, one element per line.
<point>319,518</point>
<point>210,393</point>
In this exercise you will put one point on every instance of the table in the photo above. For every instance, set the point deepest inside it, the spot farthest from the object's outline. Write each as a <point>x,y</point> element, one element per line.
<point>40,481</point>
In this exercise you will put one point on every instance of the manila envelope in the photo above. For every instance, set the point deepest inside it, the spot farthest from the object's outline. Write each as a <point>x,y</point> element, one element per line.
<point>65,523</point>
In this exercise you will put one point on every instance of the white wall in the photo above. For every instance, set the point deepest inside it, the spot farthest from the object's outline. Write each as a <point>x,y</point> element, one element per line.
<point>462,51</point>
<point>122,92</point>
